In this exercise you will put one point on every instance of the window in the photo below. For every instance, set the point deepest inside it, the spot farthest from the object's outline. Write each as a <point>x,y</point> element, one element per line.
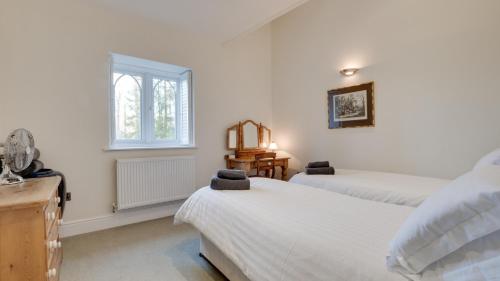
<point>150,104</point>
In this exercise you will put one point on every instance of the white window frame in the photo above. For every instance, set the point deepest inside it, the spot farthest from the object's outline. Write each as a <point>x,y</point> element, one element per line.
<point>149,70</point>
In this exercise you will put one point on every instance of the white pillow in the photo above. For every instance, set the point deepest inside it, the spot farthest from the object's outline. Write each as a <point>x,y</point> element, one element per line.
<point>478,260</point>
<point>492,158</point>
<point>466,209</point>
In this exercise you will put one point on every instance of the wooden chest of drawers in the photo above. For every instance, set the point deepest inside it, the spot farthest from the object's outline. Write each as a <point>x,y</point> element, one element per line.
<point>30,249</point>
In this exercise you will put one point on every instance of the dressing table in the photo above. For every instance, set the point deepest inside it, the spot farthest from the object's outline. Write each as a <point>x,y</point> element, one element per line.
<point>246,139</point>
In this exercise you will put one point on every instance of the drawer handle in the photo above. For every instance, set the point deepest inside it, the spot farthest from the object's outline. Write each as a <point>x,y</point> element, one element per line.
<point>51,216</point>
<point>52,273</point>
<point>54,244</point>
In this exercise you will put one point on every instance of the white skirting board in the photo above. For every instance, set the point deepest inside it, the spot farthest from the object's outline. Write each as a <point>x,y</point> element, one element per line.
<point>120,218</point>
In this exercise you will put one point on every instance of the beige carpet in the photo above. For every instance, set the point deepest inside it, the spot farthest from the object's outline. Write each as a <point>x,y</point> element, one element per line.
<point>149,251</point>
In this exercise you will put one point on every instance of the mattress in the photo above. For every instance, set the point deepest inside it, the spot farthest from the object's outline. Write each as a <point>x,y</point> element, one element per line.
<point>284,231</point>
<point>391,188</point>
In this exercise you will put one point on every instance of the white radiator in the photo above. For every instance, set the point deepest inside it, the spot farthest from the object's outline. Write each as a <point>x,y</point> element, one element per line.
<point>147,181</point>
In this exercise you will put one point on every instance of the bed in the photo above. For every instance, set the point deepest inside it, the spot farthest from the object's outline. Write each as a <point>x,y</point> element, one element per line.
<point>285,231</point>
<point>391,188</point>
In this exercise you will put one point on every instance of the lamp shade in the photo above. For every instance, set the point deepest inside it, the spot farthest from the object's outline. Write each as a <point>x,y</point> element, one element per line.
<point>273,146</point>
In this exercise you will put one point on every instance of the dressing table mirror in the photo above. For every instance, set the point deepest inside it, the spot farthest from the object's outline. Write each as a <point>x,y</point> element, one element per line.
<point>232,138</point>
<point>266,136</point>
<point>248,139</point>
<point>250,135</point>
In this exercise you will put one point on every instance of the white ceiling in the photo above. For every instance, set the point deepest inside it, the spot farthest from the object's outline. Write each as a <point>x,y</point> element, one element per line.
<point>221,19</point>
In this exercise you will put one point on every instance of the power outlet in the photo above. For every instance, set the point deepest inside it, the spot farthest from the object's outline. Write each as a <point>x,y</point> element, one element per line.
<point>68,196</point>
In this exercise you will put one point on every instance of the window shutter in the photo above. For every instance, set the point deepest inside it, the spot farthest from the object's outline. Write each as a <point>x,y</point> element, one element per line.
<point>185,101</point>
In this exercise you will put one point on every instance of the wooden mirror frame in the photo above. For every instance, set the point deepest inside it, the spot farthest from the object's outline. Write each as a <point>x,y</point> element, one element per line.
<point>237,129</point>
<point>241,152</point>
<point>242,135</point>
<point>262,129</point>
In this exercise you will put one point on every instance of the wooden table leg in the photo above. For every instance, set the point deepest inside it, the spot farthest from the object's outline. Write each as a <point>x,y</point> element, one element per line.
<point>228,162</point>
<point>284,172</point>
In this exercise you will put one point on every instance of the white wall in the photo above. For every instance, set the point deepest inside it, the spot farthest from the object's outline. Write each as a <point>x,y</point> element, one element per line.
<point>53,77</point>
<point>435,65</point>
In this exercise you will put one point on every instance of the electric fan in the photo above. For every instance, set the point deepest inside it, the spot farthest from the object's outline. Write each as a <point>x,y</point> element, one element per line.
<point>19,149</point>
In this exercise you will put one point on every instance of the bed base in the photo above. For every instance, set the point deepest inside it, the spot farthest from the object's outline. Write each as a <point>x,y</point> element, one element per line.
<point>216,258</point>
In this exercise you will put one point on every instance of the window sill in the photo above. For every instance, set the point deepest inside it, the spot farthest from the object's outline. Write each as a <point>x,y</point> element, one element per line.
<point>122,148</point>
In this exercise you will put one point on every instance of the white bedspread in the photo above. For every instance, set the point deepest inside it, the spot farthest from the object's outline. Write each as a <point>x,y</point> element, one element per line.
<point>283,231</point>
<point>376,186</point>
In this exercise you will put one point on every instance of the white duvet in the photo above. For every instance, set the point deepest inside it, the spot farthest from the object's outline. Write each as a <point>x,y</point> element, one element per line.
<point>289,232</point>
<point>391,188</point>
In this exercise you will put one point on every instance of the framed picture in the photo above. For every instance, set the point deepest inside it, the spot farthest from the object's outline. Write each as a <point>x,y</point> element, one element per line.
<point>351,107</point>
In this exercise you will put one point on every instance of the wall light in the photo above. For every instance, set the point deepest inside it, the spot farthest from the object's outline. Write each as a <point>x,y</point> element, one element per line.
<point>349,71</point>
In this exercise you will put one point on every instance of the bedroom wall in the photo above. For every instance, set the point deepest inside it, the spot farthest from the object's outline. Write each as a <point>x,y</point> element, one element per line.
<point>435,67</point>
<point>53,77</point>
